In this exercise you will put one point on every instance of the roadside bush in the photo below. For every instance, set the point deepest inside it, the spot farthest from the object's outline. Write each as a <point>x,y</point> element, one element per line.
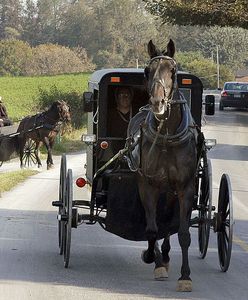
<point>14,57</point>
<point>54,59</point>
<point>73,99</point>
<point>18,58</point>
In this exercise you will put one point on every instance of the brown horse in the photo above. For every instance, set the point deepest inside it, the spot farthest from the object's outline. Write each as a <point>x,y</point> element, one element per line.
<point>42,129</point>
<point>165,162</point>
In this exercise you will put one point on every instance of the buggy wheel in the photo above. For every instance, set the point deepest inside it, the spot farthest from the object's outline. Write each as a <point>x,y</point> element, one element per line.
<point>62,184</point>
<point>205,205</point>
<point>67,223</point>
<point>225,222</point>
<point>29,157</point>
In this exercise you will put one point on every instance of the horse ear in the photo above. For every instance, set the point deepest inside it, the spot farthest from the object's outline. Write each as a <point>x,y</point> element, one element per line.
<point>152,51</point>
<point>170,49</point>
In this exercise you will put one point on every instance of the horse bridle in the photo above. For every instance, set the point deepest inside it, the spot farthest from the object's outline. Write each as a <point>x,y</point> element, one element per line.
<point>62,116</point>
<point>170,100</point>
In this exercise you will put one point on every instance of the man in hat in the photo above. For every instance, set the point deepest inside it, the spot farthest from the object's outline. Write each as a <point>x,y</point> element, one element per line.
<point>120,116</point>
<point>4,120</point>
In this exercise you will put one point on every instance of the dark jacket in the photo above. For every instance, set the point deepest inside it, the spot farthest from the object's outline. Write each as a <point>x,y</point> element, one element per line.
<point>3,111</point>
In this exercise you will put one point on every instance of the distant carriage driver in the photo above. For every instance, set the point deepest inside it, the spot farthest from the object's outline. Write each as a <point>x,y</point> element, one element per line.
<point>4,119</point>
<point>120,116</point>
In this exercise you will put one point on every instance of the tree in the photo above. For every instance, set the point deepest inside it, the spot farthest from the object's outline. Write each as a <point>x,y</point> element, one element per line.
<point>48,19</point>
<point>201,12</point>
<point>232,42</point>
<point>30,23</point>
<point>10,17</point>
<point>205,69</point>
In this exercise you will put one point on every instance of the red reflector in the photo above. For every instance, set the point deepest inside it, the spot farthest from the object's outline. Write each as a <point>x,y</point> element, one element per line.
<point>115,79</point>
<point>104,145</point>
<point>224,93</point>
<point>81,182</point>
<point>186,81</point>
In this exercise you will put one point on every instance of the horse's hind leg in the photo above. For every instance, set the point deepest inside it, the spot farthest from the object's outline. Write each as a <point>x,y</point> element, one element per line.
<point>21,141</point>
<point>36,153</point>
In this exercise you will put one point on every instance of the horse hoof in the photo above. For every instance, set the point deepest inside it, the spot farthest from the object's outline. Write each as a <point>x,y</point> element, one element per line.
<point>160,273</point>
<point>50,167</point>
<point>39,166</point>
<point>184,286</point>
<point>146,258</point>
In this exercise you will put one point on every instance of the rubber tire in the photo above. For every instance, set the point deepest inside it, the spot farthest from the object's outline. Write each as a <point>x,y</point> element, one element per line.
<point>205,200</point>
<point>225,228</point>
<point>62,185</point>
<point>68,223</point>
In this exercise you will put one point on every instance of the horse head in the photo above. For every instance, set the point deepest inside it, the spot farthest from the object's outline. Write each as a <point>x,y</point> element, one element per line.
<point>63,110</point>
<point>161,77</point>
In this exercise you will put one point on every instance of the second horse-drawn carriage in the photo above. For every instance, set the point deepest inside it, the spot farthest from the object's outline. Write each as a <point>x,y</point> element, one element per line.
<point>26,137</point>
<point>118,200</point>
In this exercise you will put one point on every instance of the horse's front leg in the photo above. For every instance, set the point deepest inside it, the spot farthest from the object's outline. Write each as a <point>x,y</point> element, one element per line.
<point>161,270</point>
<point>185,197</point>
<point>165,252</point>
<point>49,153</point>
<point>149,198</point>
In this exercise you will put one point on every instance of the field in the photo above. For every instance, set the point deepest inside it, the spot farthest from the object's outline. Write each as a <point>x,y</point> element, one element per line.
<point>20,94</point>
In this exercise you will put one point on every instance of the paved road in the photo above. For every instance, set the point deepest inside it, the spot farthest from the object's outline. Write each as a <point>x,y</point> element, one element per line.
<point>104,266</point>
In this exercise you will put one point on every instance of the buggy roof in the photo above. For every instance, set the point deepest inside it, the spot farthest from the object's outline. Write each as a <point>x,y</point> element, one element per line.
<point>98,75</point>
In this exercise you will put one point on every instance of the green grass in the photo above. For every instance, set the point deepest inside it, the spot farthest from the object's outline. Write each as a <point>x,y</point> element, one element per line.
<point>20,94</point>
<point>69,142</point>
<point>11,179</point>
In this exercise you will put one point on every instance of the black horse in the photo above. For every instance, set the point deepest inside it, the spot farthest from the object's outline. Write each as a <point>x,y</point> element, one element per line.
<point>42,129</point>
<point>165,159</point>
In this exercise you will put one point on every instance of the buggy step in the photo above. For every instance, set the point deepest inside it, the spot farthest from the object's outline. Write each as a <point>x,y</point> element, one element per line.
<point>57,203</point>
<point>80,203</point>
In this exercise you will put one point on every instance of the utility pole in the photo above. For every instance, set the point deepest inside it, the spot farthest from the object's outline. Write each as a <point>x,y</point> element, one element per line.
<point>218,67</point>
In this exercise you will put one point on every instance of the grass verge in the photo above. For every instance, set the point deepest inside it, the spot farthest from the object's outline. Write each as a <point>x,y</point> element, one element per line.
<point>70,142</point>
<point>11,179</point>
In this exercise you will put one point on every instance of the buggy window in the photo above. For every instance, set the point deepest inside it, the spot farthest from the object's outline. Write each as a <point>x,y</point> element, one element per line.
<point>140,98</point>
<point>117,123</point>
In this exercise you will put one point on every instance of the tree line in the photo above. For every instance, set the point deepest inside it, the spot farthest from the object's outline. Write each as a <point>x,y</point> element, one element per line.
<point>231,13</point>
<point>114,33</point>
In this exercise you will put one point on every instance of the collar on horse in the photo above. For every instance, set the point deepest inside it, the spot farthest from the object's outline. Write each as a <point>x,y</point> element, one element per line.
<point>183,132</point>
<point>46,122</point>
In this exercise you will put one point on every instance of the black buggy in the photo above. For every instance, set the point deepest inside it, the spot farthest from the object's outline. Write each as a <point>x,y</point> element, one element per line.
<point>9,146</point>
<point>115,202</point>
